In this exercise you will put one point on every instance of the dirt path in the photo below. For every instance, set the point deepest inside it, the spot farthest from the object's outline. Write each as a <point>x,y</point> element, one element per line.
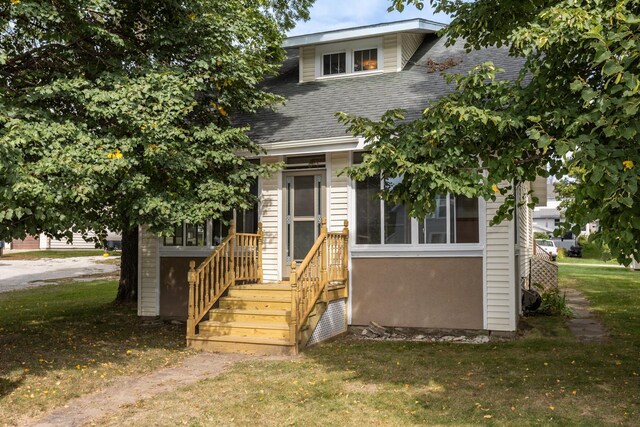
<point>128,391</point>
<point>584,325</point>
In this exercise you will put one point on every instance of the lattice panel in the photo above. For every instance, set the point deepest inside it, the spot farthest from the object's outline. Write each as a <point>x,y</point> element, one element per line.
<point>333,322</point>
<point>544,272</point>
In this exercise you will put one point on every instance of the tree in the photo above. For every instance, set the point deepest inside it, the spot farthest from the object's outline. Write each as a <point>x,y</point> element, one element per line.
<point>573,108</point>
<point>115,114</point>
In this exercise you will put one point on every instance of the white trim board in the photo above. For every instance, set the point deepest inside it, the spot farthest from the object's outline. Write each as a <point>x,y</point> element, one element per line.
<point>410,25</point>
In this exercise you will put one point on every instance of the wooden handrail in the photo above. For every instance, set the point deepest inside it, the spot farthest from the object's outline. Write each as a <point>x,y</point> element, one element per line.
<point>237,258</point>
<point>325,263</point>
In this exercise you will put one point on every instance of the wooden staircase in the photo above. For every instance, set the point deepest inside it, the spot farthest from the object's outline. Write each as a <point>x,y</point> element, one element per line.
<point>259,318</point>
<point>250,319</point>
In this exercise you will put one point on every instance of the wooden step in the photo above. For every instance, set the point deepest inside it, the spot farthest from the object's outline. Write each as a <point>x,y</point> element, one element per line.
<point>268,286</point>
<point>248,345</point>
<point>244,329</point>
<point>240,315</point>
<point>260,290</point>
<point>256,303</point>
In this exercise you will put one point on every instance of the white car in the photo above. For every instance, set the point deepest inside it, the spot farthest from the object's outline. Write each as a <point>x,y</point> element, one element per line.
<point>549,247</point>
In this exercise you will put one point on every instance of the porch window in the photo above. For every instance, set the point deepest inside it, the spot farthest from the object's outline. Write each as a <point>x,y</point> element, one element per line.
<point>455,219</point>
<point>188,235</point>
<point>214,231</point>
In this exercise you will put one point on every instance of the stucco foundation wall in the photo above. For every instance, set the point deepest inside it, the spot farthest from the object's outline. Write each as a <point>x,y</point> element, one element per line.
<point>443,293</point>
<point>174,288</point>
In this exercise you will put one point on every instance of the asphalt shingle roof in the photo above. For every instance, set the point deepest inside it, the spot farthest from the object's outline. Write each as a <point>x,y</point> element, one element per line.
<point>310,107</point>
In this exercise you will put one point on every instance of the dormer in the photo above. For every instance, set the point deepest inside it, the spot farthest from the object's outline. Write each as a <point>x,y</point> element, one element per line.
<point>360,51</point>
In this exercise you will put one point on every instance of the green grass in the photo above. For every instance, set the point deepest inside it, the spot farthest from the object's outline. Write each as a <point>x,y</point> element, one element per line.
<point>614,294</point>
<point>62,341</point>
<point>545,377</point>
<point>583,260</point>
<point>53,253</point>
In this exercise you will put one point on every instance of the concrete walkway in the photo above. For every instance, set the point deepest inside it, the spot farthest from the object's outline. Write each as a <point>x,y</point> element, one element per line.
<point>129,390</point>
<point>584,325</point>
<point>22,274</point>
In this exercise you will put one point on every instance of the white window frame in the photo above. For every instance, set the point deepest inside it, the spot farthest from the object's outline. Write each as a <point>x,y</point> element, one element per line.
<point>349,48</point>
<point>378,59</point>
<point>346,64</point>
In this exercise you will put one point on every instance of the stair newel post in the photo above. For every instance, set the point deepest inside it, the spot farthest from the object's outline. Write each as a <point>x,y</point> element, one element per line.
<point>324,261</point>
<point>191,316</point>
<point>345,252</point>
<point>232,252</point>
<point>293,328</point>
<point>260,233</point>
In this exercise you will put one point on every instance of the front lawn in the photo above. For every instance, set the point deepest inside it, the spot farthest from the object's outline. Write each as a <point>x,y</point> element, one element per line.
<point>62,341</point>
<point>545,377</point>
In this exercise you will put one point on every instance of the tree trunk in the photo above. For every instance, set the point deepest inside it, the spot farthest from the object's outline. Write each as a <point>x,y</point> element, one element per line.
<point>128,287</point>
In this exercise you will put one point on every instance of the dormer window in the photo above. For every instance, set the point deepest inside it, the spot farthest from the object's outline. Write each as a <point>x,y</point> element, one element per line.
<point>354,57</point>
<point>365,60</point>
<point>334,63</point>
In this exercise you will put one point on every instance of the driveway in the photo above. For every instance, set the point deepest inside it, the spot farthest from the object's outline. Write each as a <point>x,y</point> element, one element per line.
<point>22,274</point>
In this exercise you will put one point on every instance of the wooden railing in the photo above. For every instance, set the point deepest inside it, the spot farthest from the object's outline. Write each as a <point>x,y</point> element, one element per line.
<point>326,264</point>
<point>237,258</point>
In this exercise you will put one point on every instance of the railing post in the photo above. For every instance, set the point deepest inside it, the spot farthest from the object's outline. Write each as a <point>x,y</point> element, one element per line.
<point>191,316</point>
<point>232,251</point>
<point>293,328</point>
<point>260,232</point>
<point>345,253</point>
<point>324,261</point>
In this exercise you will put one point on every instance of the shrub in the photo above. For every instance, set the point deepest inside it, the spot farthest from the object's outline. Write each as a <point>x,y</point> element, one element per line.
<point>562,253</point>
<point>553,303</point>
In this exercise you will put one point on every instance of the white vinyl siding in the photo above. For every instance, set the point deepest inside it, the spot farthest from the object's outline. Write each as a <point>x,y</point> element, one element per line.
<point>148,245</point>
<point>410,43</point>
<point>525,240</point>
<point>269,209</point>
<point>525,230</point>
<point>390,47</point>
<point>500,274</point>
<point>339,191</point>
<point>308,63</point>
<point>78,242</point>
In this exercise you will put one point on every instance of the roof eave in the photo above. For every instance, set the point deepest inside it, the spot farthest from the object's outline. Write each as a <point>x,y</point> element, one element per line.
<point>412,25</point>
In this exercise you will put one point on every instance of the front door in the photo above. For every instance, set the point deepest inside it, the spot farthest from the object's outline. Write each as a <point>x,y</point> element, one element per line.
<point>304,207</point>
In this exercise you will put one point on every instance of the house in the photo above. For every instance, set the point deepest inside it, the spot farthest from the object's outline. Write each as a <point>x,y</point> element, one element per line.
<point>42,242</point>
<point>548,215</point>
<point>328,253</point>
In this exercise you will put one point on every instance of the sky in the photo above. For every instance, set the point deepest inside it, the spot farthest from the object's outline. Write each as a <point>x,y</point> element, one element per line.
<point>338,14</point>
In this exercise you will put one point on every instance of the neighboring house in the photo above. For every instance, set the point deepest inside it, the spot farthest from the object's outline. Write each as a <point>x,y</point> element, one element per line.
<point>547,217</point>
<point>548,214</point>
<point>43,242</point>
<point>450,271</point>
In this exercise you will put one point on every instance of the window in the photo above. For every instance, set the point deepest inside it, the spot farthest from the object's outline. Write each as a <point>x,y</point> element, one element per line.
<point>176,239</point>
<point>334,63</point>
<point>188,235</point>
<point>352,57</point>
<point>365,60</point>
<point>213,232</point>
<point>456,219</point>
